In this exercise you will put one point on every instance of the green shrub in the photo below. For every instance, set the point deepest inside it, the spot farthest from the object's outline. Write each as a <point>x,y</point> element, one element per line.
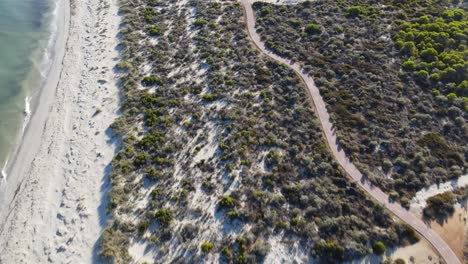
<point>113,245</point>
<point>154,31</point>
<point>142,227</point>
<point>429,54</point>
<point>156,192</point>
<point>209,97</point>
<point>226,202</point>
<point>232,214</point>
<point>422,74</point>
<point>409,65</point>
<point>141,159</point>
<point>354,11</point>
<point>440,205</point>
<point>199,22</point>
<point>379,248</point>
<point>451,96</point>
<point>295,221</point>
<point>164,217</point>
<point>226,251</point>
<point>206,247</point>
<point>151,80</point>
<point>313,29</point>
<point>436,143</point>
<point>329,249</point>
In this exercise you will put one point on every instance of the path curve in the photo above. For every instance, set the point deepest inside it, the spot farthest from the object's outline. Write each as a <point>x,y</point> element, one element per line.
<point>320,108</point>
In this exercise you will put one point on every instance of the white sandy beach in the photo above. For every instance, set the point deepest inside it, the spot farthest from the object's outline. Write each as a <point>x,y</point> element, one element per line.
<point>51,205</point>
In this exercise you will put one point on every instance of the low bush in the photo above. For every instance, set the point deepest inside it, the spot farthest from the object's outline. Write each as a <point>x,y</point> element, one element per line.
<point>206,247</point>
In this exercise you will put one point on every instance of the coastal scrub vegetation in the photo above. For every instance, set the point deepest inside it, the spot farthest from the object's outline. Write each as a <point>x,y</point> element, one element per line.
<point>393,75</point>
<point>441,206</point>
<point>221,152</point>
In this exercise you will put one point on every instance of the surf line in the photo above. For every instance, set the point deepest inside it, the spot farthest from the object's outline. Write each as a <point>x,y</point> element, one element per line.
<point>4,174</point>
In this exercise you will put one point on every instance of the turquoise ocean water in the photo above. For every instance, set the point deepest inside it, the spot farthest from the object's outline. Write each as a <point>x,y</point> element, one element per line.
<point>26,33</point>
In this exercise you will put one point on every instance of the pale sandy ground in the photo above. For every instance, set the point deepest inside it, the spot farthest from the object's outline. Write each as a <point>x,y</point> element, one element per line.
<point>419,253</point>
<point>52,202</point>
<point>453,230</point>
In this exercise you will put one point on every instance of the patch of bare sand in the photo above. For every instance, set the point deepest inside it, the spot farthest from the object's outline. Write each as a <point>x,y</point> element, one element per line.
<point>419,253</point>
<point>453,230</point>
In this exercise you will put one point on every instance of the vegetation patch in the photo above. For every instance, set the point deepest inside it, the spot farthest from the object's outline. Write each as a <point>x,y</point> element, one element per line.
<point>442,205</point>
<point>435,48</point>
<point>393,76</point>
<point>221,151</point>
<point>379,248</point>
<point>206,247</point>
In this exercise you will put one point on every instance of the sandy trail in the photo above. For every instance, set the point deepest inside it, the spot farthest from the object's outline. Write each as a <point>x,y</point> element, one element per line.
<point>52,206</point>
<point>329,131</point>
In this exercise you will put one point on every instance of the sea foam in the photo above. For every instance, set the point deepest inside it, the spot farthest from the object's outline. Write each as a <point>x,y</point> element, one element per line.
<point>27,112</point>
<point>4,173</point>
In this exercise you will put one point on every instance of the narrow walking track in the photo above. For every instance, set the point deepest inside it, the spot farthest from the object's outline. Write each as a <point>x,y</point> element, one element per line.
<point>444,250</point>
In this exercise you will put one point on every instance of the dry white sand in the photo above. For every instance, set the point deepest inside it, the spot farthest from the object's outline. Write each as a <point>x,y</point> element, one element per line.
<point>419,253</point>
<point>52,202</point>
<point>419,200</point>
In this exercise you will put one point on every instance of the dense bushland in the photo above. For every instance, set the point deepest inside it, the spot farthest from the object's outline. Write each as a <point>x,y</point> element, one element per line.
<point>221,150</point>
<point>435,48</point>
<point>393,75</point>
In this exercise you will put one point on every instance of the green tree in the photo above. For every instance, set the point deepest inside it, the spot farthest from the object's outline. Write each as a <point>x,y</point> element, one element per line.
<point>409,65</point>
<point>409,48</point>
<point>424,20</point>
<point>379,248</point>
<point>451,96</point>
<point>429,54</point>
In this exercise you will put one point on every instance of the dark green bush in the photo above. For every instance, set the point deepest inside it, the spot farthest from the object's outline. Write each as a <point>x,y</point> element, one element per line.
<point>313,29</point>
<point>379,248</point>
<point>331,250</point>
<point>163,216</point>
<point>206,247</point>
<point>440,205</point>
<point>151,80</point>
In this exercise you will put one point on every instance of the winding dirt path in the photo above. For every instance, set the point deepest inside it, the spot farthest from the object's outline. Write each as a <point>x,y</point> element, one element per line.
<point>320,108</point>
